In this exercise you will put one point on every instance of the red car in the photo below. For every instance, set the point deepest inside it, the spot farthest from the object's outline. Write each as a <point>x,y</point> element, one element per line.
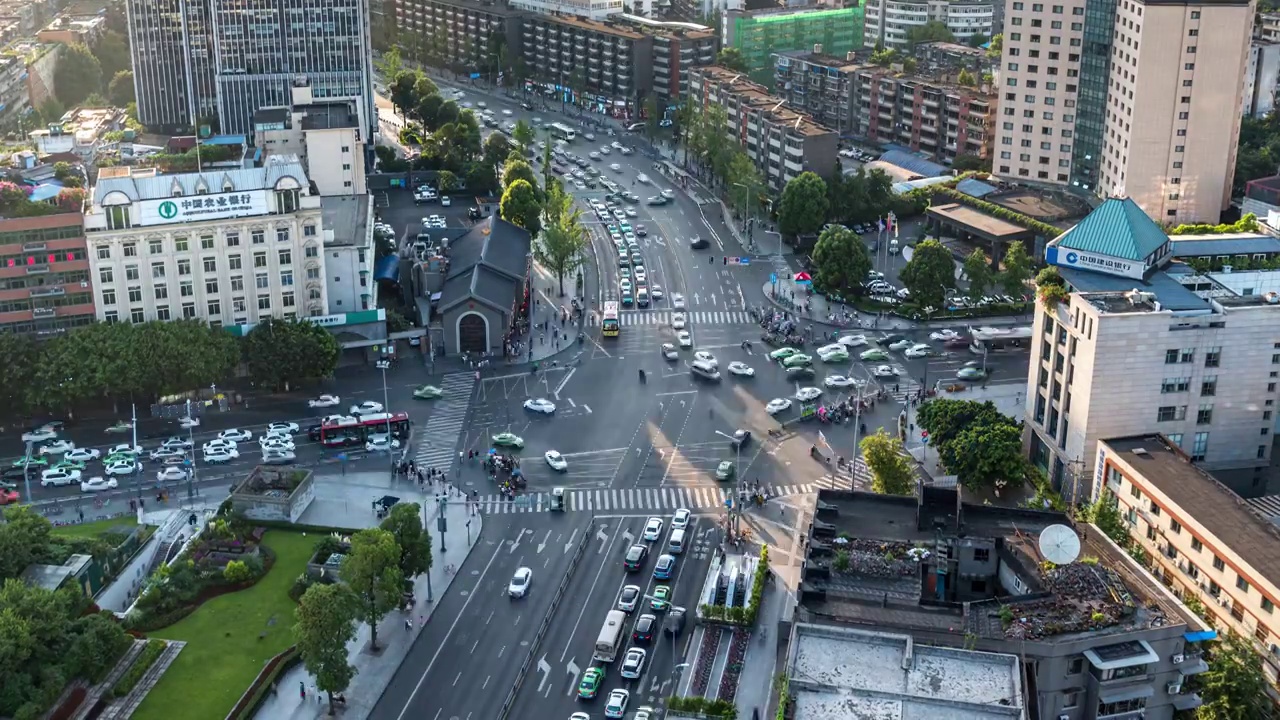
<point>8,497</point>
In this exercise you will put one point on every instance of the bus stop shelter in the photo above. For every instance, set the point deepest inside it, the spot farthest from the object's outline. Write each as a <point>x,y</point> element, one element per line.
<point>978,228</point>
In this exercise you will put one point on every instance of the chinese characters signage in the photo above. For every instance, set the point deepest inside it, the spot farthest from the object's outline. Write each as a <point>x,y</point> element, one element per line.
<point>1097,263</point>
<point>197,208</point>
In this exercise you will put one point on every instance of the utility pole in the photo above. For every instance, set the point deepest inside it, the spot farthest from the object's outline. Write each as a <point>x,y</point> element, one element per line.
<point>191,438</point>
<point>382,365</point>
<point>137,461</point>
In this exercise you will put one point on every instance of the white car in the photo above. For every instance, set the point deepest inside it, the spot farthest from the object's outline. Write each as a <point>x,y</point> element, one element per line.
<point>339,420</point>
<point>556,461</point>
<point>59,476</point>
<point>519,585</point>
<point>165,453</point>
<point>742,369</point>
<point>216,445</point>
<point>633,663</point>
<point>324,401</point>
<point>901,344</point>
<point>171,474</point>
<point>276,442</point>
<point>652,530</point>
<point>851,341</point>
<point>677,301</point>
<point>81,454</point>
<point>57,447</point>
<point>186,422</point>
<point>642,179</point>
<point>706,357</point>
<point>680,520</point>
<point>684,338</point>
<point>944,335</point>
<point>669,351</point>
<point>777,405</point>
<point>278,457</point>
<point>629,598</point>
<point>540,405</point>
<point>616,707</point>
<point>368,407</point>
<point>123,467</point>
<point>44,432</point>
<point>641,274</point>
<point>885,371</point>
<point>235,435</point>
<point>378,442</point>
<point>180,443</point>
<point>832,348</point>
<point>806,394</point>
<point>655,292</point>
<point>616,167</point>
<point>98,484</point>
<point>677,321</point>
<point>918,351</point>
<point>221,455</point>
<point>125,449</point>
<point>282,428</point>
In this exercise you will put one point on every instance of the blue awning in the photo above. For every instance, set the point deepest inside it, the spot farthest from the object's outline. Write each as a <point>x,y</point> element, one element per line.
<point>1201,636</point>
<point>388,269</point>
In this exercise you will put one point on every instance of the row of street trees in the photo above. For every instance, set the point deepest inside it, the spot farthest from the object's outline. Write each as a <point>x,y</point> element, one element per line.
<point>976,442</point>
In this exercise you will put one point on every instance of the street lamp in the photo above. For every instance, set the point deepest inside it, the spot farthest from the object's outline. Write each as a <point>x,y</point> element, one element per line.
<point>383,364</point>
<point>737,472</point>
<point>191,438</point>
<point>745,203</point>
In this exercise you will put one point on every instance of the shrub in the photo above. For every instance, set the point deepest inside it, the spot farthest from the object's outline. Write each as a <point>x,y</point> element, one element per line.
<point>147,658</point>
<point>707,708</point>
<point>252,698</point>
<point>237,572</point>
<point>301,584</point>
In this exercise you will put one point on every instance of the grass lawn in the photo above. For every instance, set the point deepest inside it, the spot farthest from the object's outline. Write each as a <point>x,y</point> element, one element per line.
<point>223,653</point>
<point>95,528</point>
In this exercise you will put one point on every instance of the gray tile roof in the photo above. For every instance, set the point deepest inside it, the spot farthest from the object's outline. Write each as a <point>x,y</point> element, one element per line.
<point>488,264</point>
<point>1116,228</point>
<point>916,164</point>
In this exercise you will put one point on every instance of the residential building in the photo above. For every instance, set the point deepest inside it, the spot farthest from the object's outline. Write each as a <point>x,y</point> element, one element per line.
<point>677,47</point>
<point>80,131</point>
<point>72,29</point>
<point>758,34</point>
<point>326,135</point>
<point>216,62</point>
<point>1144,346</point>
<point>1096,634</point>
<point>935,116</point>
<point>613,61</point>
<point>1202,541</point>
<point>1268,26</point>
<point>1151,111</point>
<point>466,31</point>
<point>952,56</point>
<point>44,275</point>
<point>889,22</point>
<point>348,254</point>
<point>29,15</point>
<point>230,247</point>
<point>1261,78</point>
<point>26,80</point>
<point>781,142</point>
<point>589,9</point>
<point>820,85</point>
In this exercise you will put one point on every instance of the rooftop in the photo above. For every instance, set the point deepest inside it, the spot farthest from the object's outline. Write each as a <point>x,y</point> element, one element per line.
<point>328,116</point>
<point>994,228</point>
<point>1231,520</point>
<point>86,123</point>
<point>488,264</point>
<point>607,28</point>
<point>839,673</point>
<point>346,220</point>
<point>1190,246</point>
<point>1113,294</point>
<point>667,28</point>
<point>827,61</point>
<point>272,482</point>
<point>122,185</point>
<point>1116,228</point>
<point>758,98</point>
<point>912,162</point>
<point>785,14</point>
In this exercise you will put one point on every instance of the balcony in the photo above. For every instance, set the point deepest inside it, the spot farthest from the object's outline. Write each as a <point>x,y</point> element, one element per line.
<point>47,291</point>
<point>44,312</point>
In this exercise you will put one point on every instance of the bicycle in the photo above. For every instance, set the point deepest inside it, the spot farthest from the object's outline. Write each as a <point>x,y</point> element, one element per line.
<point>450,569</point>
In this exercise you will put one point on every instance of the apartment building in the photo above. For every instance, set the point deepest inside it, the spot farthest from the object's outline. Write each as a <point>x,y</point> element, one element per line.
<point>759,34</point>
<point>613,60</point>
<point>348,253</point>
<point>1150,111</point>
<point>818,84</point>
<point>1268,26</point>
<point>227,246</point>
<point>27,69</point>
<point>44,275</point>
<point>72,29</point>
<point>889,23</point>
<point>327,136</point>
<point>80,131</point>
<point>677,47</point>
<point>781,142</point>
<point>1261,79</point>
<point>589,9</point>
<point>468,29</point>
<point>936,116</point>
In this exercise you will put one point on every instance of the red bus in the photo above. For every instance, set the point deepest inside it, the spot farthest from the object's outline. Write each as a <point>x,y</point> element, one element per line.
<point>355,431</point>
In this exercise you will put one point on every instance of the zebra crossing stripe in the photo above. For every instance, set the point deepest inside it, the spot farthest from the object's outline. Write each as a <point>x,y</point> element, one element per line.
<point>644,499</point>
<point>438,440</point>
<point>697,317</point>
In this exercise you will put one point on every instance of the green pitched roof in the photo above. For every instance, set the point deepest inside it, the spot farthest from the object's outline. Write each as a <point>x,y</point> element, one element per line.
<point>1117,228</point>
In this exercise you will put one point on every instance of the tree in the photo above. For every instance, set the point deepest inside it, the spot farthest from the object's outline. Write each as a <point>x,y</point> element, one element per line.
<point>986,455</point>
<point>403,97</point>
<point>326,622</point>
<point>891,472</point>
<point>996,47</point>
<point>446,181</point>
<point>390,64</point>
<point>931,31</point>
<point>966,163</point>
<point>978,270</point>
<point>284,351</point>
<point>841,262</point>
<point>884,57</point>
<point>745,183</point>
<point>1234,687</point>
<point>23,537</point>
<point>481,177</point>
<point>966,79</point>
<point>929,273</point>
<point>427,111</point>
<point>804,204</point>
<point>112,52</point>
<point>548,171</point>
<point>496,149</point>
<point>523,134</point>
<point>78,75</point>
<point>731,58</point>
<point>562,246</point>
<point>1017,270</point>
<point>861,196</point>
<point>945,419</point>
<point>558,203</point>
<point>977,40</point>
<point>652,117</point>
<point>520,206</point>
<point>516,170</point>
<point>372,570</point>
<point>388,161</point>
<point>404,522</point>
<point>120,89</point>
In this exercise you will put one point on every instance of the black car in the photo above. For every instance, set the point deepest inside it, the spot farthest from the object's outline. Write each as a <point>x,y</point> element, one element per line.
<point>674,624</point>
<point>313,432</point>
<point>636,555</point>
<point>16,473</point>
<point>699,243</point>
<point>800,373</point>
<point>890,339</point>
<point>642,633</point>
<point>641,231</point>
<point>741,438</point>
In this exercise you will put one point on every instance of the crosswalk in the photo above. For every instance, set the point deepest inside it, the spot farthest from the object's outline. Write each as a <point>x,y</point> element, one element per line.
<point>653,499</point>
<point>696,317</point>
<point>438,439</point>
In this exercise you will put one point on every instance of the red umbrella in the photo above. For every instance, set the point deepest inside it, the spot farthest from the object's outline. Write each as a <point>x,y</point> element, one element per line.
<point>803,276</point>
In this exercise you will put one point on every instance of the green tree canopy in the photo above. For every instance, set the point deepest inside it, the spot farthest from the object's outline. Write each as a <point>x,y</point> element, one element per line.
<point>481,177</point>
<point>944,419</point>
<point>120,89</point>
<point>562,246</point>
<point>372,571</point>
<point>861,196</point>
<point>283,353</point>
<point>746,185</point>
<point>997,46</point>
<point>496,149</point>
<point>965,163</point>
<point>986,455</point>
<point>731,58</point>
<point>77,76</point>
<point>325,623</point>
<point>1234,688</point>
<point>929,273</point>
<point>404,522</point>
<point>389,64</point>
<point>804,204</point>
<point>931,31</point>
<point>978,270</point>
<point>402,92</point>
<point>112,52</point>
<point>520,206</point>
<point>841,262</point>
<point>446,181</point>
<point>891,472</point>
<point>388,161</point>
<point>427,111</point>
<point>1016,271</point>
<point>523,134</point>
<point>515,170</point>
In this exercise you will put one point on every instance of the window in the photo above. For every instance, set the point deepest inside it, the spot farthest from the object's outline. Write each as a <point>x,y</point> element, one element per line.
<point>157,270</point>
<point>233,240</point>
<point>286,257</point>
<point>155,247</point>
<point>1218,564</point>
<point>131,272</point>
<point>1196,544</point>
<point>104,252</point>
<point>215,308</point>
<point>135,294</point>
<point>211,287</point>
<point>1200,446</point>
<point>287,299</point>
<point>1175,438</point>
<point>264,302</point>
<point>162,292</point>
<point>1268,606</point>
<point>1175,527</point>
<point>238,305</point>
<point>234,262</point>
<point>108,297</point>
<point>1209,386</point>
<point>1169,413</point>
<point>211,265</point>
<point>1212,357</point>
<point>286,278</point>
<point>184,267</point>
<point>206,242</point>
<point>308,230</point>
<point>282,234</point>
<point>1170,357</point>
<point>186,288</point>
<point>1175,385</point>
<point>137,316</point>
<point>130,249</point>
<point>259,259</point>
<point>162,313</point>
<point>259,237</point>
<point>237,284</point>
<point>180,244</point>
<point>1242,584</point>
<point>188,310</point>
<point>260,281</point>
<point>105,275</point>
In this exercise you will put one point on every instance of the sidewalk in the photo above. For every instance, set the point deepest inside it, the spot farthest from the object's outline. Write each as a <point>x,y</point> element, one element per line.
<point>760,665</point>
<point>373,672</point>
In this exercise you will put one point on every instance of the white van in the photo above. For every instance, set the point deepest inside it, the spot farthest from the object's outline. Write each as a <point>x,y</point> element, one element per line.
<point>675,545</point>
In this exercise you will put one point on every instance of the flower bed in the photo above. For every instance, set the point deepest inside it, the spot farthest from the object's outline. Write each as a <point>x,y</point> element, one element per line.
<point>742,615</point>
<point>147,658</point>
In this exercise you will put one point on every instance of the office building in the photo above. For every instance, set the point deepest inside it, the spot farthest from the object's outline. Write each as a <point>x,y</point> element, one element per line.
<point>216,62</point>
<point>467,30</point>
<point>613,60</point>
<point>1096,634</point>
<point>1099,97</point>
<point>889,23</point>
<point>348,253</point>
<point>759,34</point>
<point>935,116</point>
<point>230,247</point>
<point>1261,78</point>
<point>44,275</point>
<point>327,136</point>
<point>1144,346</point>
<point>781,142</point>
<point>1203,541</point>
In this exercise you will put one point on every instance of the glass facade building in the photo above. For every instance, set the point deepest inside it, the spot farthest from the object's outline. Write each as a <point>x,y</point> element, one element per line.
<point>758,35</point>
<point>1091,104</point>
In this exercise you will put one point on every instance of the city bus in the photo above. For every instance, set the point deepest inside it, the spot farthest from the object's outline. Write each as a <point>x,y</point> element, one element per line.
<point>992,339</point>
<point>610,637</point>
<point>352,431</point>
<point>563,132</point>
<point>609,320</point>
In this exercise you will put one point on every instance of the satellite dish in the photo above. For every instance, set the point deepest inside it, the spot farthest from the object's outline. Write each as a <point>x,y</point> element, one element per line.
<point>1059,544</point>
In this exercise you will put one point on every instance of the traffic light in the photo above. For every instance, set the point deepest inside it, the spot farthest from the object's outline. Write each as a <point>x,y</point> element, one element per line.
<point>726,259</point>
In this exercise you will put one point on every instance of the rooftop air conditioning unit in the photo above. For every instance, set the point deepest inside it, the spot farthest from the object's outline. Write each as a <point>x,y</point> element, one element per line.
<point>1178,658</point>
<point>1174,688</point>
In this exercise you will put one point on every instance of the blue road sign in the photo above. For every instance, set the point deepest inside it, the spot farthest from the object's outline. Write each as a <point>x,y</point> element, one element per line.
<point>728,502</point>
<point>773,277</point>
<point>744,261</point>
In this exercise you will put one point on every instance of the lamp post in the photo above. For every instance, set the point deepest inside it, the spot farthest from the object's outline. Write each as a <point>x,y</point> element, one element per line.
<point>383,364</point>
<point>191,438</point>
<point>736,513</point>
<point>137,461</point>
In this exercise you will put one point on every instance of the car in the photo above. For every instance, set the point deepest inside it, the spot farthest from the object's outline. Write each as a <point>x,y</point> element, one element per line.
<point>540,405</point>
<point>669,352</point>
<point>631,212</point>
<point>890,339</point>
<point>851,341</point>
<point>177,441</point>
<point>642,631</point>
<point>368,407</point>
<point>33,461</point>
<point>217,444</point>
<point>699,243</point>
<point>519,585</point>
<point>98,484</point>
<point>221,455</point>
<point>678,321</point>
<point>277,442</point>
<point>57,447</point>
<point>65,464</point>
<point>741,438</point>
<point>777,405</point>
<point>59,476</point>
<point>615,708</point>
<point>641,275</point>
<point>652,530</point>
<point>741,369</point>
<point>324,401</point>
<point>506,439</point>
<point>40,434</point>
<point>677,301</point>
<point>833,347</point>
<point>171,474</point>
<point>684,338</point>
<point>381,442</point>
<point>797,360</point>
<point>81,454</point>
<point>9,496</point>
<point>556,460</point>
<point>655,292</point>
<point>918,351</point>
<point>635,557</point>
<point>641,231</point>
<point>339,420</point>
<point>673,625</point>
<point>726,471</point>
<point>616,167</point>
<point>873,354</point>
<point>885,371</point>
<point>665,567</point>
<point>446,201</point>
<point>633,663</point>
<point>125,449</point>
<point>661,598</point>
<point>186,422</point>
<point>835,356</point>
<point>593,155</point>
<point>971,373</point>
<point>808,394</point>
<point>590,684</point>
<point>164,453</point>
<point>428,392</point>
<point>840,381</point>
<point>282,428</point>
<point>629,598</point>
<point>706,357</point>
<point>278,457</point>
<point>783,353</point>
<point>680,520</point>
<point>235,435</point>
<point>900,345</point>
<point>669,194</point>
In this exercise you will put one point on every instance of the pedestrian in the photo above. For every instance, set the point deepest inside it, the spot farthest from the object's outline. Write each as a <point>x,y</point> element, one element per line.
<point>408,624</point>
<point>81,514</point>
<point>302,689</point>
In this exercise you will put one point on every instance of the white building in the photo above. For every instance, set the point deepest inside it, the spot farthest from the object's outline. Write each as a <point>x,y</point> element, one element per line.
<point>1261,78</point>
<point>889,22</point>
<point>227,246</point>
<point>589,9</point>
<point>1142,346</point>
<point>348,253</point>
<point>326,134</point>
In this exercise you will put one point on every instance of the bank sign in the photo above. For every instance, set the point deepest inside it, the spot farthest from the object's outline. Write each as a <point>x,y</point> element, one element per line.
<point>198,208</point>
<point>1094,262</point>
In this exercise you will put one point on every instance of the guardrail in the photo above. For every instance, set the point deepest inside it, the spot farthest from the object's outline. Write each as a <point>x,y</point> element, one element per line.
<point>507,704</point>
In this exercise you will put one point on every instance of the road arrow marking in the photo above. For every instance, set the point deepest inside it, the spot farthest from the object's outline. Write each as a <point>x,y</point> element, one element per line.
<point>516,543</point>
<point>543,545</point>
<point>544,668</point>
<point>627,537</point>
<point>603,537</point>
<point>713,298</point>
<point>569,545</point>
<point>575,671</point>
<point>695,299</point>
<point>588,407</point>
<point>572,403</point>
<point>654,685</point>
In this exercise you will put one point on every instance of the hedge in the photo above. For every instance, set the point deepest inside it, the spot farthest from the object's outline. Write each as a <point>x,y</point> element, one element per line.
<point>146,659</point>
<point>707,708</point>
<point>299,527</point>
<point>743,615</point>
<point>1246,224</point>
<point>147,622</point>
<point>1043,229</point>
<point>261,685</point>
<point>69,706</point>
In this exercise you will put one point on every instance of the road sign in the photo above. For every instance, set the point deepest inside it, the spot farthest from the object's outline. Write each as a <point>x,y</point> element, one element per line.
<point>744,261</point>
<point>728,502</point>
<point>773,278</point>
